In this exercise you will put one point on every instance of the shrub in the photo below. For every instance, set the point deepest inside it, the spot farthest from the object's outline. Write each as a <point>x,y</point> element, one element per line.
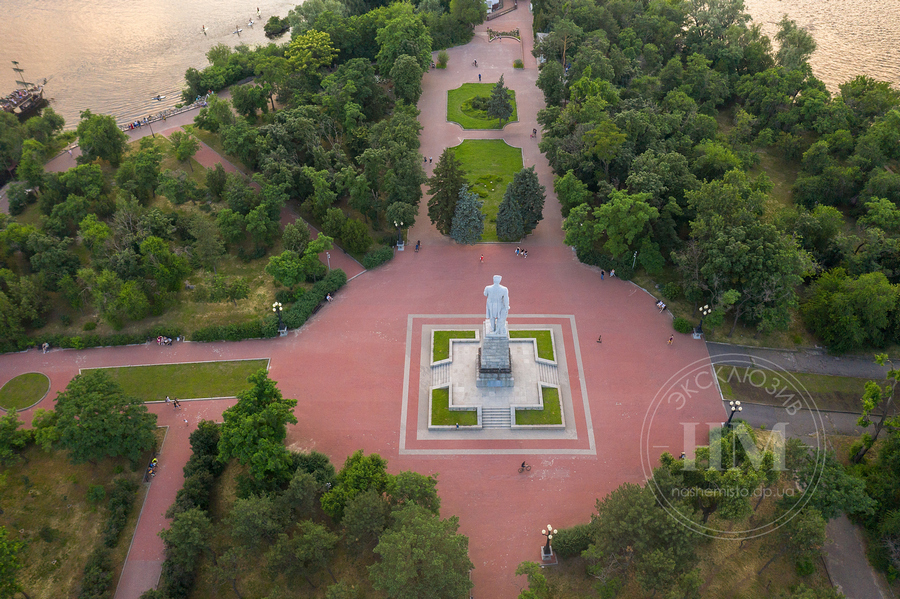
<point>518,64</point>
<point>285,296</point>
<point>442,59</point>
<point>97,576</point>
<point>96,494</point>
<point>89,326</point>
<point>121,502</point>
<point>671,291</point>
<point>682,325</point>
<point>255,329</point>
<point>479,103</point>
<point>377,257</point>
<point>571,542</point>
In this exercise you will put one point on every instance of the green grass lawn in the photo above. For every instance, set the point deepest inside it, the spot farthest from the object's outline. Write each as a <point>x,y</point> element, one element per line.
<point>441,414</point>
<point>544,342</point>
<point>24,390</point>
<point>186,381</point>
<point>489,165</point>
<point>829,392</point>
<point>551,414</point>
<point>441,350</point>
<point>459,108</point>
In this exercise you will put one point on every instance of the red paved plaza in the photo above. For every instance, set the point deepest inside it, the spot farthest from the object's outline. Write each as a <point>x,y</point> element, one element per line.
<point>346,366</point>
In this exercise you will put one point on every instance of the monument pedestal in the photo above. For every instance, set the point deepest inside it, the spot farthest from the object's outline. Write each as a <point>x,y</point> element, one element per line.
<point>494,364</point>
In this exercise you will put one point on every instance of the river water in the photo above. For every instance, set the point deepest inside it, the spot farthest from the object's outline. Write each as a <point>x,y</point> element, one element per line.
<point>114,56</point>
<point>853,37</point>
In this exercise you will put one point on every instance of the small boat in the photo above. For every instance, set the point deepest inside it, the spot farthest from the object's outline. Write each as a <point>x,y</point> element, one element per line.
<point>159,98</point>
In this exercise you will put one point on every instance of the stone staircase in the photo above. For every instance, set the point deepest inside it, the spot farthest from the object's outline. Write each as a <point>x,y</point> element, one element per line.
<point>495,418</point>
<point>548,373</point>
<point>440,375</point>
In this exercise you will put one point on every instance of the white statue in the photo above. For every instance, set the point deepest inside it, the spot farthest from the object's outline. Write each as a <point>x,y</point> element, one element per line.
<point>497,305</point>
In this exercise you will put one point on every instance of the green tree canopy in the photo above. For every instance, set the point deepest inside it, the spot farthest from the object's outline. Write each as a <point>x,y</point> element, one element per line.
<point>422,556</point>
<point>445,184</point>
<point>468,220</point>
<point>100,137</point>
<point>499,104</point>
<point>97,419</point>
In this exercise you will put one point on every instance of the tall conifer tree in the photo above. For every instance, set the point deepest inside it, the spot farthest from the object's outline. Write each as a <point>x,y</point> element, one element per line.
<point>445,184</point>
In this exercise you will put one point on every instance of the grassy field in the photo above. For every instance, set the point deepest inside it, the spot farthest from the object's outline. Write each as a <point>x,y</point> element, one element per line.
<point>551,414</point>
<point>441,350</point>
<point>489,165</point>
<point>544,342</point>
<point>441,414</point>
<point>24,390</point>
<point>762,386</point>
<point>186,381</point>
<point>44,500</point>
<point>459,107</point>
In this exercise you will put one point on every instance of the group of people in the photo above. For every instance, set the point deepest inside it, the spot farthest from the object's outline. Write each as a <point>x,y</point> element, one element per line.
<point>151,470</point>
<point>612,273</point>
<point>661,305</point>
<point>174,401</point>
<point>521,252</point>
<point>163,340</point>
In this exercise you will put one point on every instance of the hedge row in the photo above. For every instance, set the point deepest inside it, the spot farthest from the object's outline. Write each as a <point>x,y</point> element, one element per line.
<point>294,316</point>
<point>623,268</point>
<point>571,542</point>
<point>98,571</point>
<point>86,341</point>
<point>377,257</point>
<point>200,474</point>
<point>300,311</point>
<point>121,502</point>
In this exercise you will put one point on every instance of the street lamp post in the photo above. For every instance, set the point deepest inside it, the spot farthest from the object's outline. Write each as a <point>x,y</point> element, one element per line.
<point>634,261</point>
<point>548,532</point>
<point>735,408</point>
<point>704,312</point>
<point>399,235</point>
<point>276,308</point>
<point>328,258</point>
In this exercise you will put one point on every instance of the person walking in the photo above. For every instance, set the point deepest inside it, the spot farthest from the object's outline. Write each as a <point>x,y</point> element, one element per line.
<point>417,246</point>
<point>518,250</point>
<point>671,339</point>
<point>599,338</point>
<point>479,77</point>
<point>482,258</point>
<point>185,422</point>
<point>602,272</point>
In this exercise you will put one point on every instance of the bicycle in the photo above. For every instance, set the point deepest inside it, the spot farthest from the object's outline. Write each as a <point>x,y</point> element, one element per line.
<point>525,468</point>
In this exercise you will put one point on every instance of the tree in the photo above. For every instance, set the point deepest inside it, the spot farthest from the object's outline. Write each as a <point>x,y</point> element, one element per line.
<point>422,556</point>
<point>403,33</point>
<point>139,173</point>
<point>231,225</point>
<point>411,487</point>
<point>849,313</point>
<point>529,194</point>
<point>254,430</point>
<point>187,538</point>
<point>551,80</point>
<point>802,537</point>
<point>185,146</point>
<point>261,226</point>
<point>9,565</point>
<point>286,268</point>
<point>355,235</point>
<point>310,52</point>
<point>604,142</point>
<point>295,236</point>
<point>468,220</point>
<point>208,244</point>
<point>538,587</point>
<point>97,419</point>
<point>831,490</point>
<point>499,104</point>
<point>313,268</point>
<point>468,12</point>
<point>365,518</point>
<point>100,137</point>
<point>306,553</point>
<point>31,163</point>
<point>359,474</point>
<point>796,45</point>
<point>570,191</point>
<point>215,180</point>
<point>11,439</point>
<point>509,219</point>
<point>407,77</point>
<point>255,520</point>
<point>445,184</point>
<point>334,222</point>
<point>247,99</point>
<point>881,399</point>
<point>161,265</point>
